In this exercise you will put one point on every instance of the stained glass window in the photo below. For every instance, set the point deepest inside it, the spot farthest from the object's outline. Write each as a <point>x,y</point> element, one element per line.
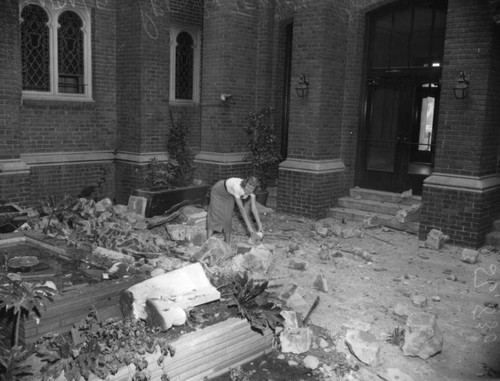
<point>70,53</point>
<point>35,51</point>
<point>184,64</point>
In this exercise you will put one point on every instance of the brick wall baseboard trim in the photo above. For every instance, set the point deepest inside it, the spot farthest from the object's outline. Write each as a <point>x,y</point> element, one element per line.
<point>13,167</point>
<point>312,166</point>
<point>219,158</point>
<point>463,183</point>
<point>66,158</point>
<point>139,158</point>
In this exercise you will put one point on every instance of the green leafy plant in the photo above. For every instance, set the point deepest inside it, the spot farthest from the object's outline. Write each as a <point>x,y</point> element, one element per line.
<point>178,171</point>
<point>160,175</point>
<point>396,337</point>
<point>65,210</point>
<point>21,298</point>
<point>261,144</point>
<point>13,362</point>
<point>101,348</point>
<point>180,153</point>
<point>251,300</point>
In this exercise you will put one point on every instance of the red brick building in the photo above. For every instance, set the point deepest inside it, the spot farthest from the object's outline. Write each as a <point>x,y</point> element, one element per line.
<point>89,89</point>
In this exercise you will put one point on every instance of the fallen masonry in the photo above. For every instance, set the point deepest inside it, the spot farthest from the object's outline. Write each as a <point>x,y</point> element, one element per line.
<point>172,277</point>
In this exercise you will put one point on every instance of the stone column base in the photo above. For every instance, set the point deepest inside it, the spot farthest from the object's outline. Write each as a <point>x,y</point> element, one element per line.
<point>309,187</point>
<point>214,166</point>
<point>462,207</point>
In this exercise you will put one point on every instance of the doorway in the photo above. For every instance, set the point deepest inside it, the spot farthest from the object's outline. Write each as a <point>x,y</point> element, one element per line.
<point>401,97</point>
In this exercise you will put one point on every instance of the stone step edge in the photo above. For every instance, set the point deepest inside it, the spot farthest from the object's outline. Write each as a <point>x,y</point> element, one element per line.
<point>372,194</point>
<point>369,205</point>
<point>385,219</point>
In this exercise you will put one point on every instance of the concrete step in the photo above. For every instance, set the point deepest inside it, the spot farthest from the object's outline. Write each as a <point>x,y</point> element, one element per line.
<point>381,196</point>
<point>356,215</point>
<point>375,206</point>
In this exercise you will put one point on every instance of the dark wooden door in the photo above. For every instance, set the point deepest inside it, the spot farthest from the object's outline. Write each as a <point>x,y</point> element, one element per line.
<point>397,139</point>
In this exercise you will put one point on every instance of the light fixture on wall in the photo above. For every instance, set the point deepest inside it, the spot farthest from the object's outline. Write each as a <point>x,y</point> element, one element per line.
<point>302,87</point>
<point>461,89</point>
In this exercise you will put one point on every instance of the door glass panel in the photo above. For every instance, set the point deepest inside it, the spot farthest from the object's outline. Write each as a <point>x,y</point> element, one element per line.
<point>401,36</point>
<point>426,124</point>
<point>384,119</point>
<point>380,47</point>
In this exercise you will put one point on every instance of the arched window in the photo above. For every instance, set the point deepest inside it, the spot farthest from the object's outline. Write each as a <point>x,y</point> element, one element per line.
<point>70,53</point>
<point>35,51</point>
<point>184,60</point>
<point>184,65</point>
<point>55,51</point>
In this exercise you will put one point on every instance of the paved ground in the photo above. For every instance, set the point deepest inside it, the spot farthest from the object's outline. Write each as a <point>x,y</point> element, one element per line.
<point>364,294</point>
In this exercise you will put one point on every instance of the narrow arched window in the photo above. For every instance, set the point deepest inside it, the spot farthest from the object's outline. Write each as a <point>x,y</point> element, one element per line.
<point>184,65</point>
<point>55,50</point>
<point>70,53</point>
<point>184,62</point>
<point>35,51</point>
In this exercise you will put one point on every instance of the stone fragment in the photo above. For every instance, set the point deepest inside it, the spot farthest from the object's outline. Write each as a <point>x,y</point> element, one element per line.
<point>213,252</point>
<point>164,314</point>
<point>109,257</point>
<point>320,283</point>
<point>470,256</point>
<point>293,247</point>
<point>408,214</point>
<point>103,205</point>
<point>243,248</point>
<point>435,298</point>
<point>337,230</point>
<point>291,320</point>
<point>419,300</point>
<point>296,264</point>
<point>194,234</point>
<point>137,205</point>
<point>311,362</point>
<point>435,239</point>
<point>364,346</point>
<point>296,340</point>
<point>371,222</point>
<point>423,337</point>
<point>257,261</point>
<point>295,301</point>
<point>187,287</point>
<point>322,231</point>
<point>118,270</point>
<point>323,343</point>
<point>401,310</point>
<point>324,253</point>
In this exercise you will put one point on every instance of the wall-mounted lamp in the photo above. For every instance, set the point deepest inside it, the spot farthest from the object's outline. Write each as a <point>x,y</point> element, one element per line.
<point>302,87</point>
<point>461,90</point>
<point>226,99</point>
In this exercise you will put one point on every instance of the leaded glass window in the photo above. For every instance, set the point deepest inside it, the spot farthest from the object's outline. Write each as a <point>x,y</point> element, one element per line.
<point>70,53</point>
<point>184,63</point>
<point>35,51</point>
<point>55,50</point>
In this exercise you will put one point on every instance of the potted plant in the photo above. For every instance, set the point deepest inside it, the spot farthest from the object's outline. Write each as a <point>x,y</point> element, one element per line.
<point>262,154</point>
<point>170,183</point>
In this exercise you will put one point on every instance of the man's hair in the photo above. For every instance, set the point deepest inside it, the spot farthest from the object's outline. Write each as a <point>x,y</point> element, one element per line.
<point>252,180</point>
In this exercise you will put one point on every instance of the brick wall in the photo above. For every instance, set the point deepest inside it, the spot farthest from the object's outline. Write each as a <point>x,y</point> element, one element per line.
<point>10,79</point>
<point>59,180</point>
<point>16,189</point>
<point>468,135</point>
<point>315,129</point>
<point>308,194</point>
<point>466,217</point>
